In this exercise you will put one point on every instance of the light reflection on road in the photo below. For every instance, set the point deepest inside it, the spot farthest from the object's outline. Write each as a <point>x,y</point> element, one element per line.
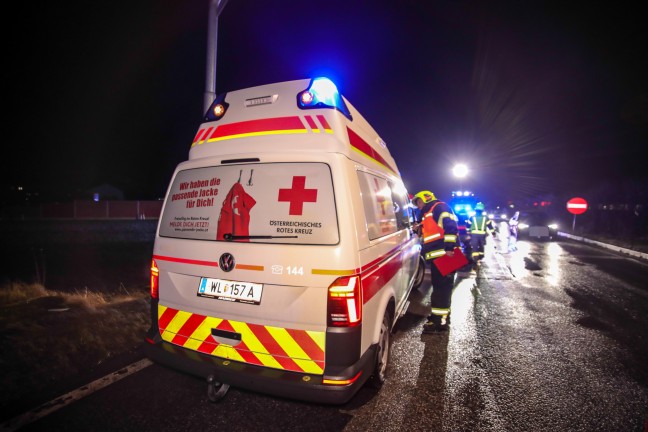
<point>554,251</point>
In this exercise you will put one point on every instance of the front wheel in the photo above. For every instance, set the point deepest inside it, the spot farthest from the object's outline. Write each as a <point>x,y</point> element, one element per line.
<point>420,273</point>
<point>382,356</point>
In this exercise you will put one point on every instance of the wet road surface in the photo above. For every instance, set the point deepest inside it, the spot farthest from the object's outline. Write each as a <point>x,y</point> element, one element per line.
<point>551,337</point>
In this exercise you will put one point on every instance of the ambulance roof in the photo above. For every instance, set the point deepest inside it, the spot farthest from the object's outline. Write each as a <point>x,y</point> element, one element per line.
<point>276,118</point>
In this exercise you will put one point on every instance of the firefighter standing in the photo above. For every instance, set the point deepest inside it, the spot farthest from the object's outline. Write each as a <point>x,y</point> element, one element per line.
<point>480,227</point>
<point>439,233</point>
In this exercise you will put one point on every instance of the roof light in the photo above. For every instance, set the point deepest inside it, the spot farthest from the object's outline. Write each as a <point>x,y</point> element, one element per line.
<point>307,97</point>
<point>217,109</point>
<point>322,93</point>
<point>459,193</point>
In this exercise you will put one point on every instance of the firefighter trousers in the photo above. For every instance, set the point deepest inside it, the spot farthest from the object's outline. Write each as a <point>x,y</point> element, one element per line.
<point>477,242</point>
<point>441,292</point>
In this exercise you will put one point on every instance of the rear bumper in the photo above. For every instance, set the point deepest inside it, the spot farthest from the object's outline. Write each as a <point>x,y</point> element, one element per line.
<point>271,381</point>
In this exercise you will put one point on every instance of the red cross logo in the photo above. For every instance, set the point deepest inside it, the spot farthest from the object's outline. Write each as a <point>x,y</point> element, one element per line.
<point>298,195</point>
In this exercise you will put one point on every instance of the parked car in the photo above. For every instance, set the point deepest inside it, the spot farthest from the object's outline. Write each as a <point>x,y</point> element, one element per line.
<point>537,225</point>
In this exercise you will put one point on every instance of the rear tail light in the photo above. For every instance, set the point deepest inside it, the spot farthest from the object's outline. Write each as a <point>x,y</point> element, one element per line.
<point>345,302</point>
<point>155,280</point>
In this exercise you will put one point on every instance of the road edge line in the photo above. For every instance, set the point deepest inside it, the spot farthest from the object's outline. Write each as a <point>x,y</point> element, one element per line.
<point>79,393</point>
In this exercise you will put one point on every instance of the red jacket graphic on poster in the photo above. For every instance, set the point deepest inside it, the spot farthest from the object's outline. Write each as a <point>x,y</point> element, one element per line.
<point>235,213</point>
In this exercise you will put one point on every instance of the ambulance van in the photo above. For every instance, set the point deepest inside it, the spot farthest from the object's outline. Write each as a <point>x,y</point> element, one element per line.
<point>284,252</point>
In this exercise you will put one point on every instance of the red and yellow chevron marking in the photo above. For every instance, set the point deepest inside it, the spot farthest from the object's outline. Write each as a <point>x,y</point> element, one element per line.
<point>274,347</point>
<point>315,128</point>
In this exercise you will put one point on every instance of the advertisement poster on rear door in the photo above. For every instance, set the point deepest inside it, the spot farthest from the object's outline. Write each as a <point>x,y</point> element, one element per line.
<point>268,203</point>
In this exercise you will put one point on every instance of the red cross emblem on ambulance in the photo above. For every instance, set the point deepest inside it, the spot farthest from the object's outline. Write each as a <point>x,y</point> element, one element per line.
<point>297,195</point>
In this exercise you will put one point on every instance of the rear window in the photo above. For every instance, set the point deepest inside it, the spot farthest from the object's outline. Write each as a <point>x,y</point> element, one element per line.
<point>288,203</point>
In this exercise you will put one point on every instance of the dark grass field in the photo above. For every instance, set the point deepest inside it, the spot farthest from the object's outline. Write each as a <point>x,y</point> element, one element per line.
<point>75,255</point>
<point>73,305</point>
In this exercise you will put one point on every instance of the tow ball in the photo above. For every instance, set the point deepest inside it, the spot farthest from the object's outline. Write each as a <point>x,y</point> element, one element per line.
<point>216,390</point>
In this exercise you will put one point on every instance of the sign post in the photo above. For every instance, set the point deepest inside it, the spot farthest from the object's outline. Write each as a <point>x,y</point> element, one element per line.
<point>576,206</point>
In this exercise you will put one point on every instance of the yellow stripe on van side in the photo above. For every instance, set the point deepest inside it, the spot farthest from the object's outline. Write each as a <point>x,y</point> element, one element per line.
<point>332,272</point>
<point>251,134</point>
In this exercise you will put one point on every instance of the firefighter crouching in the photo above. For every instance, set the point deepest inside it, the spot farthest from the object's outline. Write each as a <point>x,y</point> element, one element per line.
<point>439,233</point>
<point>480,226</point>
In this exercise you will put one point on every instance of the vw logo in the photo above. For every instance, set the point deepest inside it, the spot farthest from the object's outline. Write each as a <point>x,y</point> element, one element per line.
<point>226,262</point>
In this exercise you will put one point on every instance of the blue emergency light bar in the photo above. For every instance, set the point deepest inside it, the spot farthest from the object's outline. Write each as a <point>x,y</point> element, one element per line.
<point>322,93</point>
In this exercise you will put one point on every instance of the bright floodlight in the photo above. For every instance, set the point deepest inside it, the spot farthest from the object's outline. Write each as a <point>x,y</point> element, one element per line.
<point>460,170</point>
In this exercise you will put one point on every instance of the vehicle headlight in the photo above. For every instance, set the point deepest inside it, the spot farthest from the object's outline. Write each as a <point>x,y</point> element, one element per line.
<point>523,226</point>
<point>553,226</point>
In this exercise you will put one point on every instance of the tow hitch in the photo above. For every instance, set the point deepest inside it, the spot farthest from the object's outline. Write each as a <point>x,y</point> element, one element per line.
<point>216,390</point>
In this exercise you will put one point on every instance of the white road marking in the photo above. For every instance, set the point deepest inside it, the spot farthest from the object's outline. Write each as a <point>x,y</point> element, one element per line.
<point>62,401</point>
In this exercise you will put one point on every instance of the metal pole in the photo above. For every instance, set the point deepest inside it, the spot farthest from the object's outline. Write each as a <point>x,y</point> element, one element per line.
<point>215,9</point>
<point>574,225</point>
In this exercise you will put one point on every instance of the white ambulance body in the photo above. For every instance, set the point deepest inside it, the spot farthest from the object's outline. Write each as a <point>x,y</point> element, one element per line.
<point>284,253</point>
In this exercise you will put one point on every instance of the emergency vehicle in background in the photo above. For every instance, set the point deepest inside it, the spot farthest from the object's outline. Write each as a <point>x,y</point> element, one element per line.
<point>463,203</point>
<point>284,253</point>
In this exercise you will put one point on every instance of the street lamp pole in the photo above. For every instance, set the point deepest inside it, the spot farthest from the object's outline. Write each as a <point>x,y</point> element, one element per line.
<point>215,9</point>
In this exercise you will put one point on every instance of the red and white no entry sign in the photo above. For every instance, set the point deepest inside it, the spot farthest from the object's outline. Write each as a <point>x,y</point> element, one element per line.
<point>576,206</point>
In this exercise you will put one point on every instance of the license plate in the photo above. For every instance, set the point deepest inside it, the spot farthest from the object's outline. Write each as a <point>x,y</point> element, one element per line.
<point>233,291</point>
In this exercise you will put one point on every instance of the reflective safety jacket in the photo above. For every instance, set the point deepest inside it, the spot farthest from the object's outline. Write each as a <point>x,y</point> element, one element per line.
<point>439,229</point>
<point>481,225</point>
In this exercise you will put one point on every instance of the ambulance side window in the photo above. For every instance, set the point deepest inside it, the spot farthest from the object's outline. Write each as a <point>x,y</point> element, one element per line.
<point>401,207</point>
<point>378,205</point>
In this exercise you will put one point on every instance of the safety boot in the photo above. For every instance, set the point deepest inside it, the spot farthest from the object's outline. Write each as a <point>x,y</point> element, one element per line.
<point>434,325</point>
<point>445,320</point>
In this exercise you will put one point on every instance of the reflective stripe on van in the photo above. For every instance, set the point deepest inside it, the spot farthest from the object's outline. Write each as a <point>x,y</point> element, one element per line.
<point>274,347</point>
<point>269,126</point>
<point>365,149</point>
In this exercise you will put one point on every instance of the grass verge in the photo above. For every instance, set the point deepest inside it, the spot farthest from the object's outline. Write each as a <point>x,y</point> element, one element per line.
<point>48,337</point>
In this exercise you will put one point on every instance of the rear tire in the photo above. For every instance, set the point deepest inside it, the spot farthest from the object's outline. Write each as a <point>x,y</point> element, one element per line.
<point>383,353</point>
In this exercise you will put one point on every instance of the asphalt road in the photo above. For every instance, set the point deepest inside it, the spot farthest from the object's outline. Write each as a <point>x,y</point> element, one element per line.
<point>552,337</point>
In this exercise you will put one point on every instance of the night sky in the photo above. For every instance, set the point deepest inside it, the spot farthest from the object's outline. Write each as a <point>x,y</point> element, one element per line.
<point>534,97</point>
